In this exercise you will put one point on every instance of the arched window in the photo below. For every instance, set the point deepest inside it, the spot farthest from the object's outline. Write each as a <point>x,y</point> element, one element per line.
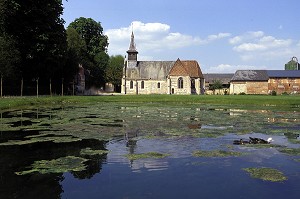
<point>158,85</point>
<point>131,84</point>
<point>142,85</point>
<point>180,82</point>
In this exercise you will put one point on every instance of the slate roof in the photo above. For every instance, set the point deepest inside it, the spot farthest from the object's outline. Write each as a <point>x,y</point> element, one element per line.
<point>284,73</point>
<point>223,77</point>
<point>250,75</point>
<point>156,70</point>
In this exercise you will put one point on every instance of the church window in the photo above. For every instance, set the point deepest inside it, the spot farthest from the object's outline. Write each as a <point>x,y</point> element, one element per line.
<point>158,85</point>
<point>180,82</point>
<point>142,85</point>
<point>131,84</point>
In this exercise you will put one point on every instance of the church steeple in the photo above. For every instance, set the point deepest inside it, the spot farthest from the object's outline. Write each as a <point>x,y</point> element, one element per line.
<point>132,52</point>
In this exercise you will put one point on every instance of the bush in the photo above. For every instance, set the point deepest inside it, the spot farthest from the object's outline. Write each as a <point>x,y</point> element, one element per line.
<point>273,93</point>
<point>285,93</point>
<point>242,93</point>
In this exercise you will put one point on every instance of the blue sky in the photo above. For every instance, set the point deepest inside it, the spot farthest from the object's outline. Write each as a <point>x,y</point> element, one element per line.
<point>222,35</point>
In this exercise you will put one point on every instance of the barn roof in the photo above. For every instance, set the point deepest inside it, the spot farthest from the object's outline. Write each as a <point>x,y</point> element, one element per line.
<point>250,75</point>
<point>223,77</point>
<point>284,73</point>
<point>264,75</point>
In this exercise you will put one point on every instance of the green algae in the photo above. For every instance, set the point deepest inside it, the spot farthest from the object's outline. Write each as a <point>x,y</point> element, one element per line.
<point>146,155</point>
<point>60,165</point>
<point>216,153</point>
<point>291,151</point>
<point>266,174</point>
<point>90,152</point>
<point>41,138</point>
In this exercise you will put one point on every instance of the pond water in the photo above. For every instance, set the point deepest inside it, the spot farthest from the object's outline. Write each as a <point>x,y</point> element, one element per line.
<point>128,151</point>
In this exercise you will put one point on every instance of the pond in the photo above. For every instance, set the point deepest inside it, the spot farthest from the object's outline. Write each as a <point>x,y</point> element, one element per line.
<point>113,150</point>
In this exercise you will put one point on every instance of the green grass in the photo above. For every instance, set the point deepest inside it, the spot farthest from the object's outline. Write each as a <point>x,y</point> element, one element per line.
<point>251,100</point>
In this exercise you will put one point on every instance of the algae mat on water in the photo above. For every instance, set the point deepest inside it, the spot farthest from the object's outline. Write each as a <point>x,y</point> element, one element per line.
<point>266,174</point>
<point>60,165</point>
<point>216,153</point>
<point>146,155</point>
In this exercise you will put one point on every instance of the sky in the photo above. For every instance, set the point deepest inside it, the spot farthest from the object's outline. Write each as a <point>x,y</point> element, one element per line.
<point>222,35</point>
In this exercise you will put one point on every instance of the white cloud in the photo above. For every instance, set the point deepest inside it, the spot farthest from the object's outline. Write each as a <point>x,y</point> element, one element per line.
<point>228,68</point>
<point>154,37</point>
<point>258,46</point>
<point>249,47</point>
<point>218,36</point>
<point>248,36</point>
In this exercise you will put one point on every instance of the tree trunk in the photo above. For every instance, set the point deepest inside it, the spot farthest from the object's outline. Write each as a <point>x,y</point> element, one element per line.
<point>22,87</point>
<point>1,86</point>
<point>62,87</point>
<point>37,87</point>
<point>50,88</point>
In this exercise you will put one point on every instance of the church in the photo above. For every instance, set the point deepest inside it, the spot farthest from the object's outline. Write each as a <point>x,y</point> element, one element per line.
<point>160,77</point>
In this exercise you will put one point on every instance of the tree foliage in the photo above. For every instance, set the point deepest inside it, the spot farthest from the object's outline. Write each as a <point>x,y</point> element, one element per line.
<point>94,57</point>
<point>114,70</point>
<point>40,37</point>
<point>9,56</point>
<point>217,84</point>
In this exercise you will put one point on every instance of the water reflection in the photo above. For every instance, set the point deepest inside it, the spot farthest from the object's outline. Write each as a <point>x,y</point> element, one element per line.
<point>46,185</point>
<point>46,134</point>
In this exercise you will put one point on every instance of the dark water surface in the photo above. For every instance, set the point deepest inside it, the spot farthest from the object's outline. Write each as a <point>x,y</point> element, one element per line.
<point>81,152</point>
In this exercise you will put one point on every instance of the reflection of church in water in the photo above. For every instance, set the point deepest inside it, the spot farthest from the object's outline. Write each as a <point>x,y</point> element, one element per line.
<point>160,77</point>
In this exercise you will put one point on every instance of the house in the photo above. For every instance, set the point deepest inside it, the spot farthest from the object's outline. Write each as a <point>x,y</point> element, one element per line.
<point>160,77</point>
<point>265,81</point>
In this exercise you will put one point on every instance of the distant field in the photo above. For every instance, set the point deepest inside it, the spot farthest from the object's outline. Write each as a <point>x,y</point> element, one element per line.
<point>251,100</point>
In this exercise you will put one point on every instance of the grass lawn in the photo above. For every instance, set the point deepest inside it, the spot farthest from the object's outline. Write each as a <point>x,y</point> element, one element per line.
<point>248,100</point>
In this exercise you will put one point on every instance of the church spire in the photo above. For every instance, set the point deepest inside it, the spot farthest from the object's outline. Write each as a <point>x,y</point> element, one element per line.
<point>132,52</point>
<point>132,46</point>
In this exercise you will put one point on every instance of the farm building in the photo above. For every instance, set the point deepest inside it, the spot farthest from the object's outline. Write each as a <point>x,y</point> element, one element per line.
<point>265,81</point>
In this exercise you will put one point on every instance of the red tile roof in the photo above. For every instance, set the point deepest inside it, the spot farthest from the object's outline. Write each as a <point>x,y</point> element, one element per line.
<point>186,68</point>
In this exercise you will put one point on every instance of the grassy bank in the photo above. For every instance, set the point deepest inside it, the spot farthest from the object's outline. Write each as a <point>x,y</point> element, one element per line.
<point>251,100</point>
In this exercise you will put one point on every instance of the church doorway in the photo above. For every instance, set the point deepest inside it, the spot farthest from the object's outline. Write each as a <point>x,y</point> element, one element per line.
<point>193,86</point>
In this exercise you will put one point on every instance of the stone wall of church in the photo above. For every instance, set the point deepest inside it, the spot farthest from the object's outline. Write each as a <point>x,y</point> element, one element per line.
<point>145,87</point>
<point>186,90</point>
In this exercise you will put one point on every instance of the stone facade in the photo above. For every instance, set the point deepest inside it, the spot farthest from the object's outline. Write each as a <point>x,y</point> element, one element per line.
<point>281,85</point>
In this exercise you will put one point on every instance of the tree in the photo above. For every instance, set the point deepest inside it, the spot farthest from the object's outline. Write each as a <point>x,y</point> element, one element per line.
<point>95,58</point>
<point>217,84</point>
<point>114,71</point>
<point>76,44</point>
<point>9,59</point>
<point>40,36</point>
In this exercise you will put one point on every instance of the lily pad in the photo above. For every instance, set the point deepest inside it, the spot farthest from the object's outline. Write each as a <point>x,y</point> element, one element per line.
<point>60,165</point>
<point>267,174</point>
<point>216,153</point>
<point>146,155</point>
